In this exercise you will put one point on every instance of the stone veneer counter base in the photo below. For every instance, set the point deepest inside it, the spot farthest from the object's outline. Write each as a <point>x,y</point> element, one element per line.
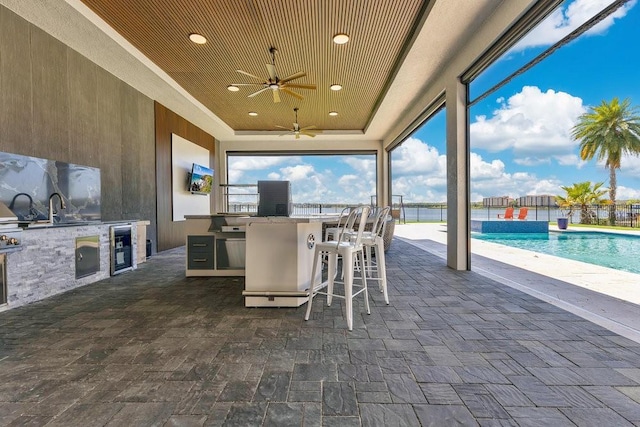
<point>46,264</point>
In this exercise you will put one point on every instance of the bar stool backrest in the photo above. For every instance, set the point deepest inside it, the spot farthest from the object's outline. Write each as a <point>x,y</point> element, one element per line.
<point>358,215</point>
<point>380,221</point>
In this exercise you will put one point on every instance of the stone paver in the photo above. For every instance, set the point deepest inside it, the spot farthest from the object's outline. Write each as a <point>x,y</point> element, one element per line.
<point>151,347</point>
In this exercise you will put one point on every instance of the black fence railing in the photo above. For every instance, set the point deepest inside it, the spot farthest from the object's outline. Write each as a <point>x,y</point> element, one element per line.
<point>623,215</point>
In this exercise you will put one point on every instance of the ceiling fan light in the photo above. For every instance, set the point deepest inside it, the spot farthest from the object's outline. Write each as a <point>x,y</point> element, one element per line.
<point>197,38</point>
<point>253,113</point>
<point>335,87</point>
<point>233,88</point>
<point>340,38</point>
<point>333,113</point>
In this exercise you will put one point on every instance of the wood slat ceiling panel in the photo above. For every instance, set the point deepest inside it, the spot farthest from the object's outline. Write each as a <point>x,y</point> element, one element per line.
<point>239,35</point>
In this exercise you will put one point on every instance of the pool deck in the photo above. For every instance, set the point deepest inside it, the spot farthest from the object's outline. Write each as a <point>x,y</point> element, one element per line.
<point>605,296</point>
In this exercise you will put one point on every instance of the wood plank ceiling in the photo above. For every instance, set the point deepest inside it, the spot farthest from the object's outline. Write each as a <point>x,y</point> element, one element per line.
<point>240,33</point>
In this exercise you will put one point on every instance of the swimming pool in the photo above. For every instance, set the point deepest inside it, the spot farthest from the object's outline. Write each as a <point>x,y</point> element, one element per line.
<point>605,249</point>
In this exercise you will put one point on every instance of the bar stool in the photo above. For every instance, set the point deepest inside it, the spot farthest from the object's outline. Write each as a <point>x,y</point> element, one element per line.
<point>351,250</point>
<point>332,233</point>
<point>373,242</point>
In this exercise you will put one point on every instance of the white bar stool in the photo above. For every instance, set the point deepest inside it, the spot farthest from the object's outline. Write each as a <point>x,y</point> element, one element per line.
<point>351,250</point>
<point>332,233</point>
<point>373,242</point>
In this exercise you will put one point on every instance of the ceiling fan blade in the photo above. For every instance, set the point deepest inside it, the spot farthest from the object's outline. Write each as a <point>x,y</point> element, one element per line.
<point>260,91</point>
<point>282,127</point>
<point>272,72</point>
<point>312,135</point>
<point>312,127</point>
<point>292,93</point>
<point>298,135</point>
<point>293,76</point>
<point>248,74</point>
<point>276,95</point>
<point>247,84</point>
<point>300,86</point>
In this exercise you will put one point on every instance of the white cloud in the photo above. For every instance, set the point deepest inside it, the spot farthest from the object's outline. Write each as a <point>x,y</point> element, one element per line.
<point>365,167</point>
<point>417,157</point>
<point>535,125</point>
<point>238,165</point>
<point>419,172</point>
<point>348,180</point>
<point>629,166</point>
<point>531,161</point>
<point>235,175</point>
<point>626,193</point>
<point>255,162</point>
<point>427,183</point>
<point>492,179</point>
<point>297,172</point>
<point>564,20</point>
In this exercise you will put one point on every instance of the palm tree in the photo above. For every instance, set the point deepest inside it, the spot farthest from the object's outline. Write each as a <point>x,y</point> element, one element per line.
<point>608,132</point>
<point>582,195</point>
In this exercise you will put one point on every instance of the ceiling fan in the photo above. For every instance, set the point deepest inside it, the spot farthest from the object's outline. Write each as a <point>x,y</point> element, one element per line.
<point>275,83</point>
<point>297,130</point>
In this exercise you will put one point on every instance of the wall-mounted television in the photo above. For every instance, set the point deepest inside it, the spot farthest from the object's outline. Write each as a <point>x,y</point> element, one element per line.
<point>201,179</point>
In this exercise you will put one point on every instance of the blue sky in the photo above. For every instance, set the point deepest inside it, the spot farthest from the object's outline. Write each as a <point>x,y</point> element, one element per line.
<point>520,134</point>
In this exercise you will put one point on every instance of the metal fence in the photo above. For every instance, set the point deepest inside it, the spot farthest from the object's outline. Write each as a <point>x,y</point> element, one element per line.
<point>625,215</point>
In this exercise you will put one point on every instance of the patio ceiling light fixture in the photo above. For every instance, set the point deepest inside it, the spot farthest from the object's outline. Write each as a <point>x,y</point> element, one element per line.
<point>197,38</point>
<point>340,38</point>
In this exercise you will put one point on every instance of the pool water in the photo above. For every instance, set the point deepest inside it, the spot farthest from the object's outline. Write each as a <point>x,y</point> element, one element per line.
<point>604,249</point>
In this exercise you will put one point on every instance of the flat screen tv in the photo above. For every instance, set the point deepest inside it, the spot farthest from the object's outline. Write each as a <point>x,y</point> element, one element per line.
<point>201,179</point>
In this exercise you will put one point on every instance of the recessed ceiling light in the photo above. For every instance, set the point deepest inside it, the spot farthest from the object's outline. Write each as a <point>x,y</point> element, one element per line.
<point>253,113</point>
<point>340,38</point>
<point>197,38</point>
<point>333,113</point>
<point>233,88</point>
<point>335,87</point>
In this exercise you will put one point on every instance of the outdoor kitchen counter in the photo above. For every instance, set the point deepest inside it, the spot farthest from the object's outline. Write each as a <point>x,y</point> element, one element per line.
<point>276,254</point>
<point>43,263</point>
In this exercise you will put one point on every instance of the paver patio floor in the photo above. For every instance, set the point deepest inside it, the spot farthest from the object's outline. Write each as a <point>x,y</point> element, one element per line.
<point>152,347</point>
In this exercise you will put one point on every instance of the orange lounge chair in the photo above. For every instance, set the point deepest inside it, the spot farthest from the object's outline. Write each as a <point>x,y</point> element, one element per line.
<point>508,214</point>
<point>522,213</point>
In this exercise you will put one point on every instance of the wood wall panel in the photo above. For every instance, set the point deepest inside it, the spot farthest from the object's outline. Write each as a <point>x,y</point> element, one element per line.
<point>172,234</point>
<point>15,83</point>
<point>83,109</point>
<point>50,96</point>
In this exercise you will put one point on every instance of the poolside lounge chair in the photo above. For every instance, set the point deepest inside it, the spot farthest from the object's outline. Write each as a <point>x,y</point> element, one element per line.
<point>508,214</point>
<point>522,213</point>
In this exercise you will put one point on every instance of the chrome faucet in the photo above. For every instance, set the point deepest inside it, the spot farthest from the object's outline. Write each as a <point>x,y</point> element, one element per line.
<point>62,205</point>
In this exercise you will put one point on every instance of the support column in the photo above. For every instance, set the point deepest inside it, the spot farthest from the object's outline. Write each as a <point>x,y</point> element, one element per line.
<point>458,207</point>
<point>384,178</point>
